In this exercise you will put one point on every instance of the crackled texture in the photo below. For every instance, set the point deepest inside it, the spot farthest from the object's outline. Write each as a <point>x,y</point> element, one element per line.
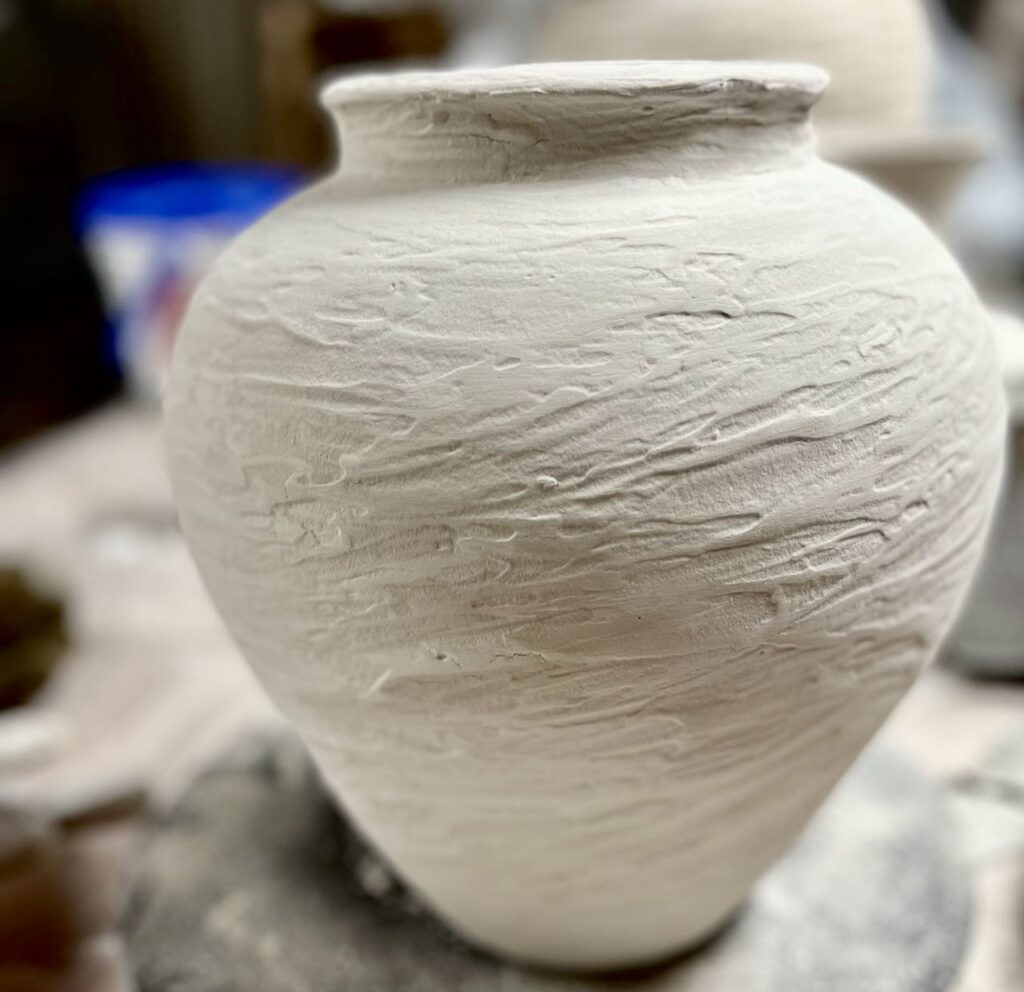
<point>586,526</point>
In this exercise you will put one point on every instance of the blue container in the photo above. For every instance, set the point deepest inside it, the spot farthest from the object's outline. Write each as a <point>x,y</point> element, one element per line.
<point>152,233</point>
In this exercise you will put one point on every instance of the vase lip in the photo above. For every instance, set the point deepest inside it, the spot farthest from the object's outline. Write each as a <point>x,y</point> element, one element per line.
<point>755,82</point>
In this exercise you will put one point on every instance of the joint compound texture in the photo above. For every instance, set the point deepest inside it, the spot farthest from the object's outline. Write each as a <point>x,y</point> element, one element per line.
<point>586,527</point>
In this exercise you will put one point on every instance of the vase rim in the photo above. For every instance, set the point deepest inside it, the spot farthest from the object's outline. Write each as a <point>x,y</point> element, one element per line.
<point>754,82</point>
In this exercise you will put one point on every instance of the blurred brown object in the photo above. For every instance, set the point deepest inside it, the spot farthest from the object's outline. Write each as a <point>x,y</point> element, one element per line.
<point>37,926</point>
<point>302,40</point>
<point>32,637</point>
<point>60,889</point>
<point>297,133</point>
<point>237,79</point>
<point>966,14</point>
<point>196,64</point>
<point>52,360</point>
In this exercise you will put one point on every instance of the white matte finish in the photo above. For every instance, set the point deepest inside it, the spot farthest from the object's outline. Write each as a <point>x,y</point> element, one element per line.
<point>586,469</point>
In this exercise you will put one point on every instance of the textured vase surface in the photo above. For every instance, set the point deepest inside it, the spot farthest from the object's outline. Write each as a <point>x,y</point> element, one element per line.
<point>586,469</point>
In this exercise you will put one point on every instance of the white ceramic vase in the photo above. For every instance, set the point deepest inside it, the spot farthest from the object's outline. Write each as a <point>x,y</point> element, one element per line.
<point>586,469</point>
<point>878,52</point>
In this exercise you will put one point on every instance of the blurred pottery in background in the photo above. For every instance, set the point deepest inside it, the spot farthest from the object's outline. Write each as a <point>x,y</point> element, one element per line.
<point>32,636</point>
<point>877,52</point>
<point>586,469</point>
<point>923,169</point>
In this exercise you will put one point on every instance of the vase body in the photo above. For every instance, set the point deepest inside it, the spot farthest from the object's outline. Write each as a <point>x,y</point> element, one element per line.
<point>878,52</point>
<point>586,469</point>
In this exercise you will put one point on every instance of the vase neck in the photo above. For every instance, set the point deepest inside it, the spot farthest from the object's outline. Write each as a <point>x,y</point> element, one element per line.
<point>578,119</point>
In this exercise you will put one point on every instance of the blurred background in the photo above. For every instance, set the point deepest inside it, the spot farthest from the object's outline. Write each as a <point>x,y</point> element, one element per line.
<point>136,138</point>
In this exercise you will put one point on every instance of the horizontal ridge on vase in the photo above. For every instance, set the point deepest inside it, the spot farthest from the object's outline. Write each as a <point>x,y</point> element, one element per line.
<point>586,469</point>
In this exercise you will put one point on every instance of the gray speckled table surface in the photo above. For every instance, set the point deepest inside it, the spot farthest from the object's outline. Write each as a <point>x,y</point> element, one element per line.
<point>253,884</point>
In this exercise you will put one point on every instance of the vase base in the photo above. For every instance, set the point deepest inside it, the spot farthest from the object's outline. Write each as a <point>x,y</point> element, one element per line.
<point>651,965</point>
<point>254,883</point>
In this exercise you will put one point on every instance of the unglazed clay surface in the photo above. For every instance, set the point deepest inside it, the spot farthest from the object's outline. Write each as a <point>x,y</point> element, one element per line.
<point>878,52</point>
<point>586,469</point>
